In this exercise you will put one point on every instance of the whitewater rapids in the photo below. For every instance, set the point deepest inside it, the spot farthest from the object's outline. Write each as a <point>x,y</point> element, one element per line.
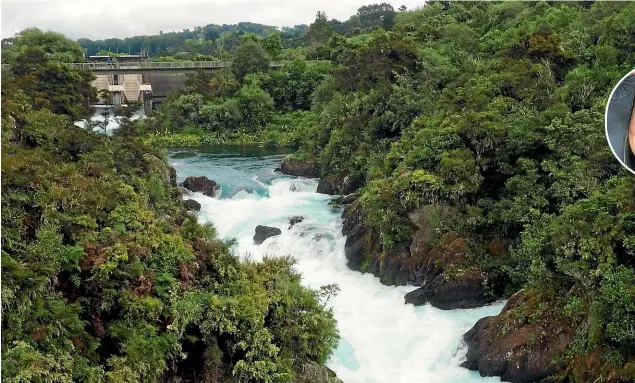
<point>382,339</point>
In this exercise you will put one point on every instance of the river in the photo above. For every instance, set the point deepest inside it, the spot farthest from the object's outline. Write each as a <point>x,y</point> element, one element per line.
<point>382,339</point>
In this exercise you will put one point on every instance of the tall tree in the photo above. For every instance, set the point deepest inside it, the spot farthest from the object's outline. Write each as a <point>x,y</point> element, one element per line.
<point>249,58</point>
<point>37,61</point>
<point>377,15</point>
<point>273,45</point>
<point>319,31</point>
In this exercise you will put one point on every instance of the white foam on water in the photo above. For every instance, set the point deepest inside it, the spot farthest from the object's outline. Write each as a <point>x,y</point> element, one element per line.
<point>383,339</point>
<point>113,122</point>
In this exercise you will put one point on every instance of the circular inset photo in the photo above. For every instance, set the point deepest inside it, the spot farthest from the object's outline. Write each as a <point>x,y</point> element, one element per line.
<point>620,121</point>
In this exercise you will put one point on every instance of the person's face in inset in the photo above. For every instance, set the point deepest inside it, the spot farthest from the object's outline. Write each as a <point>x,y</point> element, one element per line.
<point>631,128</point>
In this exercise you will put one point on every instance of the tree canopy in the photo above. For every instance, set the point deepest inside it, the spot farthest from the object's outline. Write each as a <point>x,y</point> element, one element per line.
<point>249,58</point>
<point>105,275</point>
<point>491,112</point>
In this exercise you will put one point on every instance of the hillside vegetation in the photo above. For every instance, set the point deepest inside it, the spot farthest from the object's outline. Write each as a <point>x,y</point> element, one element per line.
<point>474,135</point>
<point>105,276</point>
<point>469,135</point>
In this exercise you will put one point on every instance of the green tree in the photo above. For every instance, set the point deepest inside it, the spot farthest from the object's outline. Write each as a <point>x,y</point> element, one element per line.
<point>377,63</point>
<point>105,274</point>
<point>254,105</point>
<point>273,45</point>
<point>47,81</point>
<point>319,31</point>
<point>377,15</point>
<point>249,58</point>
<point>55,46</point>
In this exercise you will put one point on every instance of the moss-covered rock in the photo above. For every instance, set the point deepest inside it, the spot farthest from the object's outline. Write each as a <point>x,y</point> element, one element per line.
<point>314,373</point>
<point>430,260</point>
<point>297,167</point>
<point>522,344</point>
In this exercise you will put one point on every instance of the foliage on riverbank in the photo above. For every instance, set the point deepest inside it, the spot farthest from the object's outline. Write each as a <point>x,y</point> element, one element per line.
<point>239,105</point>
<point>489,112</point>
<point>284,131</point>
<point>493,112</point>
<point>105,275</point>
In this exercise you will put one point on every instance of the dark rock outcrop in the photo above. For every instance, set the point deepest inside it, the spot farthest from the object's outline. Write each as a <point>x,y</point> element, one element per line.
<point>315,373</point>
<point>522,343</point>
<point>191,204</point>
<point>462,290</point>
<point>264,232</point>
<point>172,177</point>
<point>348,199</point>
<point>202,184</point>
<point>295,167</point>
<point>434,261</point>
<point>350,185</point>
<point>344,199</point>
<point>361,241</point>
<point>400,264</point>
<point>295,220</point>
<point>337,185</point>
<point>329,185</point>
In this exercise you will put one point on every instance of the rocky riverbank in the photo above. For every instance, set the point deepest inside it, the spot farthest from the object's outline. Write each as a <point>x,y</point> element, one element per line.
<point>521,344</point>
<point>435,264</point>
<point>506,345</point>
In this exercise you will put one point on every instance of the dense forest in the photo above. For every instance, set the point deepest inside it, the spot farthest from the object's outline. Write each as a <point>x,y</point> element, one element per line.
<point>468,138</point>
<point>473,137</point>
<point>221,41</point>
<point>106,276</point>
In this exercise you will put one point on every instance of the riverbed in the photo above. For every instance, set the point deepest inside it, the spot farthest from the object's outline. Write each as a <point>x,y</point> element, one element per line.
<point>383,340</point>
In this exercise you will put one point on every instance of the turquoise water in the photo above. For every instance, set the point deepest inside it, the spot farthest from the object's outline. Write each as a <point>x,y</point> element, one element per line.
<point>383,340</point>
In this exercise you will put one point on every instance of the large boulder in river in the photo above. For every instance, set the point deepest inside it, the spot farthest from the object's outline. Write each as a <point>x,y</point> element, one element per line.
<point>202,184</point>
<point>295,220</point>
<point>191,204</point>
<point>296,167</point>
<point>458,290</point>
<point>264,232</point>
<point>523,343</point>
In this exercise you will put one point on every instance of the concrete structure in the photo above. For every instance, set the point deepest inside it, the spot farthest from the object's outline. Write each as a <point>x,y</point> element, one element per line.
<point>153,67</point>
<point>129,85</point>
<point>145,81</point>
<point>125,88</point>
<point>133,78</point>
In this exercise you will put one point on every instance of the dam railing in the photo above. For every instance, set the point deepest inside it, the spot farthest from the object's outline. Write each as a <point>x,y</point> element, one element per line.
<point>168,65</point>
<point>174,66</point>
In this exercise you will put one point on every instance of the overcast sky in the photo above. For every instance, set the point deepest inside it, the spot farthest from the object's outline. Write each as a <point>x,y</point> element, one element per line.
<point>98,19</point>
